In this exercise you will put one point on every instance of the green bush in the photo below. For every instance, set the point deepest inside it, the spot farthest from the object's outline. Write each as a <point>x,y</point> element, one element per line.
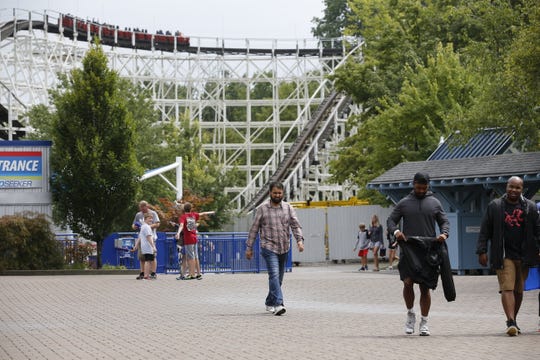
<point>28,243</point>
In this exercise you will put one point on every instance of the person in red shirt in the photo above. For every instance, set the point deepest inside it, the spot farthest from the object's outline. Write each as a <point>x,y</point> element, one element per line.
<point>188,226</point>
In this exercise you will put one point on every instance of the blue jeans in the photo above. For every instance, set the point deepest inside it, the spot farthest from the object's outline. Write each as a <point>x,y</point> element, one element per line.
<point>275,265</point>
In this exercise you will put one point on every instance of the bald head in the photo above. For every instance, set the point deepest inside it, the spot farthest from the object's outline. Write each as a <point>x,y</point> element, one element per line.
<point>514,189</point>
<point>515,179</point>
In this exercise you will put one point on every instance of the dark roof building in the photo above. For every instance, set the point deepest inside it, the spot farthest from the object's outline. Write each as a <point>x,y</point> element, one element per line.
<point>465,178</point>
<point>489,172</point>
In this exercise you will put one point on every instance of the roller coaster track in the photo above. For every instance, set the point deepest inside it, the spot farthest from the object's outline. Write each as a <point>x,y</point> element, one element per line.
<point>319,113</point>
<point>304,150</point>
<point>9,28</point>
<point>291,165</point>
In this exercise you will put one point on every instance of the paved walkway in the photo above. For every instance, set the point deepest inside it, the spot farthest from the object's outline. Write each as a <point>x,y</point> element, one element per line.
<point>333,312</point>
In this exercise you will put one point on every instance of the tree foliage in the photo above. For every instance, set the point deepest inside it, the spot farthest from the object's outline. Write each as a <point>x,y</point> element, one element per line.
<point>511,96</point>
<point>154,144</point>
<point>432,68</point>
<point>95,171</point>
<point>334,21</point>
<point>203,179</point>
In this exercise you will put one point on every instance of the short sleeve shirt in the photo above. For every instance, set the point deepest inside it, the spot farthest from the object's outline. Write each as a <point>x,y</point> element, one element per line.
<point>146,230</point>
<point>189,220</point>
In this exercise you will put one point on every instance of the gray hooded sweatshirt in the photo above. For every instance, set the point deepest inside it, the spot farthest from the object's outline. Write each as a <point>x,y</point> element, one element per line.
<point>419,216</point>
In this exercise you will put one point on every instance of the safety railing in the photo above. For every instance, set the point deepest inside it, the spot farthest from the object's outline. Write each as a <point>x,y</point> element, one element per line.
<point>219,252</point>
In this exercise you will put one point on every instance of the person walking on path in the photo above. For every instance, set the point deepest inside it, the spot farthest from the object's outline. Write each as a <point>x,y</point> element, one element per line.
<point>511,225</point>
<point>376,237</point>
<point>274,221</point>
<point>420,211</point>
<point>362,244</point>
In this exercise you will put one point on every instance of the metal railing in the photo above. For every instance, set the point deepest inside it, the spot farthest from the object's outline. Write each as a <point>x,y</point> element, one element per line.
<point>219,252</point>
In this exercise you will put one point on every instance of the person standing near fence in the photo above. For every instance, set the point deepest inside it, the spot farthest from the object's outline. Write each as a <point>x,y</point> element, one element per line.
<point>274,221</point>
<point>188,228</point>
<point>145,242</point>
<point>376,237</point>
<point>512,226</point>
<point>420,211</point>
<point>179,236</point>
<point>137,223</point>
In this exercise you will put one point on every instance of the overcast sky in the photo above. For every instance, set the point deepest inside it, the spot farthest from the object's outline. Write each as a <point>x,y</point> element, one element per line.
<point>276,19</point>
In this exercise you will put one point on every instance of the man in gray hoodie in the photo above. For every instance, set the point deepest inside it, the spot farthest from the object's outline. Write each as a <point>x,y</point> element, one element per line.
<point>420,211</point>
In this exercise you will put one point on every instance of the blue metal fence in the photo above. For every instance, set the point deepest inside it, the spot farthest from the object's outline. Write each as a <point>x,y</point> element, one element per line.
<point>219,252</point>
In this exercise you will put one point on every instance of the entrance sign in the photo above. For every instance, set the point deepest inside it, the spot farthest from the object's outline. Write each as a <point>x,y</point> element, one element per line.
<point>21,169</point>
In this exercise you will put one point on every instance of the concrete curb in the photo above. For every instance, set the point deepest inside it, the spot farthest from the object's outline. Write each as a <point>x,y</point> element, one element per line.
<point>67,272</point>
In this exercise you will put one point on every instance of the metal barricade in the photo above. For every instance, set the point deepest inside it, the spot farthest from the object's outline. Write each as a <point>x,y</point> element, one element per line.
<point>76,251</point>
<point>219,252</point>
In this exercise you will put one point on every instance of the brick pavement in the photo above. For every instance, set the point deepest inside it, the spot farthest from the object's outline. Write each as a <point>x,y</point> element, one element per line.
<point>333,312</point>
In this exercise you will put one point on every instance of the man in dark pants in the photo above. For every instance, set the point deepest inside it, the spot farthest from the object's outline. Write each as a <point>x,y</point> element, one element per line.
<point>274,221</point>
<point>512,225</point>
<point>420,211</point>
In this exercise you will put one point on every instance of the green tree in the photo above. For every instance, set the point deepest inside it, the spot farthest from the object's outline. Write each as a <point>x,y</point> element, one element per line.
<point>157,144</point>
<point>408,128</point>
<point>334,21</point>
<point>511,96</point>
<point>95,171</point>
<point>202,176</point>
<point>411,96</point>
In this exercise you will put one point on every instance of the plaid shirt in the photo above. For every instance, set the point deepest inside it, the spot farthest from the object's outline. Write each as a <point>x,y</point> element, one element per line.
<point>273,224</point>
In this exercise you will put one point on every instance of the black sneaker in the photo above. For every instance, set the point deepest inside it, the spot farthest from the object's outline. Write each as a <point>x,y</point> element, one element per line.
<point>279,310</point>
<point>153,276</point>
<point>140,277</point>
<point>198,277</point>
<point>511,328</point>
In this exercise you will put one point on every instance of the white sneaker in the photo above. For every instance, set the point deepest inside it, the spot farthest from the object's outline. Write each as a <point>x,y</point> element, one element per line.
<point>270,308</point>
<point>409,324</point>
<point>279,310</point>
<point>424,329</point>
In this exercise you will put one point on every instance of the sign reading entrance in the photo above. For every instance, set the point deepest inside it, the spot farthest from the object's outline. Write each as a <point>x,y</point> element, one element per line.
<point>21,169</point>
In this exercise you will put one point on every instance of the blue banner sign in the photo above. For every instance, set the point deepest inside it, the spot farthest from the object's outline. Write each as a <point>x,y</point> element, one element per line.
<point>21,169</point>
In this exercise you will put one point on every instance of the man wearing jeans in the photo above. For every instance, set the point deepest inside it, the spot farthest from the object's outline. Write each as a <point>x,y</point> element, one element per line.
<point>274,220</point>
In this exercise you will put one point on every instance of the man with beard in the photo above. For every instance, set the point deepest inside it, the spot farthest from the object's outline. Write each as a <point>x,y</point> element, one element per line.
<point>274,221</point>
<point>420,211</point>
<point>512,225</point>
